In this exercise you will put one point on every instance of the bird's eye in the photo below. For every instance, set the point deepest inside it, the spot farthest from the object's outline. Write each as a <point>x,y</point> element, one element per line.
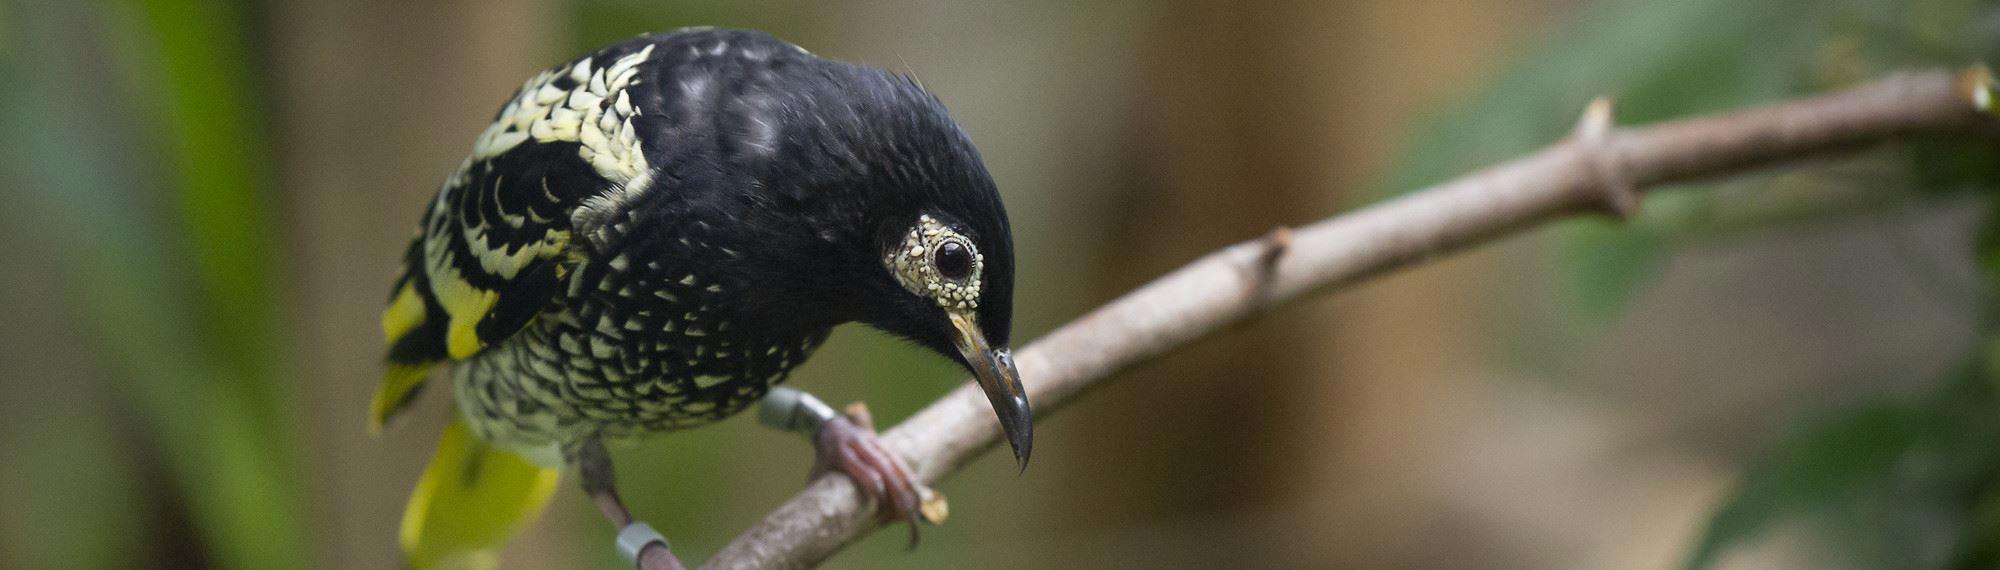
<point>938,262</point>
<point>953,260</point>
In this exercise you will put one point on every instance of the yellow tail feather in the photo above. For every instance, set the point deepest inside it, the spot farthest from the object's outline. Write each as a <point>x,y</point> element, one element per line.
<point>471,500</point>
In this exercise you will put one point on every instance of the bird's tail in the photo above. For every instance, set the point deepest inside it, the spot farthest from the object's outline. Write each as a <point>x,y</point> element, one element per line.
<point>470,501</point>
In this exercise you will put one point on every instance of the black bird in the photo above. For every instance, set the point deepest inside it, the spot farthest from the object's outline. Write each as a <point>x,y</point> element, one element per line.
<point>651,237</point>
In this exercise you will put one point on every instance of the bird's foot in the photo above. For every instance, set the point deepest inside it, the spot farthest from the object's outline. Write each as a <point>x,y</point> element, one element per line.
<point>847,443</point>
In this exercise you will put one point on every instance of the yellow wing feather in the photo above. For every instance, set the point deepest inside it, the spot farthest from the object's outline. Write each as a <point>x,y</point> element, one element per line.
<point>467,305</point>
<point>404,315</point>
<point>398,384</point>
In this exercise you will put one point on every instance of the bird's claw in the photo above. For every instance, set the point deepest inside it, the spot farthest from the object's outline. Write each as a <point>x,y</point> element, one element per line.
<point>848,444</point>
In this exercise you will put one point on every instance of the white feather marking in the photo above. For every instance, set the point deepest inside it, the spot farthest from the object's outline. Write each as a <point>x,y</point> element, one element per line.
<point>601,349</point>
<point>548,94</point>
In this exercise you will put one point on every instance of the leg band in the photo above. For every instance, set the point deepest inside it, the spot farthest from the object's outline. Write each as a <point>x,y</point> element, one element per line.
<point>634,538</point>
<point>791,409</point>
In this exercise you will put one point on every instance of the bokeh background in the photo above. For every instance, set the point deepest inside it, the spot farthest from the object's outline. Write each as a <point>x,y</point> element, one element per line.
<point>202,204</point>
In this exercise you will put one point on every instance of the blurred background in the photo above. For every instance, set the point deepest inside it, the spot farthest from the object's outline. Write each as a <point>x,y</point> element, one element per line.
<point>205,201</point>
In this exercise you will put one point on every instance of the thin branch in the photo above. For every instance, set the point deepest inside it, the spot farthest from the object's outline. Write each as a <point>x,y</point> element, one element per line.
<point>1599,168</point>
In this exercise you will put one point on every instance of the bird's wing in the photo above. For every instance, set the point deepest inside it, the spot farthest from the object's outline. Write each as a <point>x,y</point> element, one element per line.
<point>496,247</point>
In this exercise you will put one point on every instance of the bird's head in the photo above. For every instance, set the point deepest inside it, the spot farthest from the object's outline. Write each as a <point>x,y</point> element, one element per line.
<point>911,235</point>
<point>957,278</point>
<point>945,257</point>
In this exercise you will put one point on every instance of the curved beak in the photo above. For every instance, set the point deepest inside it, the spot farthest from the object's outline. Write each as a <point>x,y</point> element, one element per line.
<point>994,369</point>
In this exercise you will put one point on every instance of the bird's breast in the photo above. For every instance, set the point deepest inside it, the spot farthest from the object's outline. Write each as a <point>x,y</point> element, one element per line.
<point>659,342</point>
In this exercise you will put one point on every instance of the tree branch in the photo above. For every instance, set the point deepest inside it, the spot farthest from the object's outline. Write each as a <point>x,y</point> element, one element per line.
<point>1599,168</point>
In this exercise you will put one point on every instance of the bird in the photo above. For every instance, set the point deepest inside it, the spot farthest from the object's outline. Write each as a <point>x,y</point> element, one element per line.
<point>649,238</point>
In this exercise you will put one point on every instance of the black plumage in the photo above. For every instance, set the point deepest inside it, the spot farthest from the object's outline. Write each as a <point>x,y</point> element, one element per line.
<point>650,237</point>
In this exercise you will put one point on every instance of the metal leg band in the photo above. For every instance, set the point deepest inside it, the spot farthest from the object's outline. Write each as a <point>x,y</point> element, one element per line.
<point>791,409</point>
<point>634,538</point>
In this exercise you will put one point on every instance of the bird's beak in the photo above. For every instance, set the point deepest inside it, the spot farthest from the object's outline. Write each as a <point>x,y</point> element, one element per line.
<point>994,369</point>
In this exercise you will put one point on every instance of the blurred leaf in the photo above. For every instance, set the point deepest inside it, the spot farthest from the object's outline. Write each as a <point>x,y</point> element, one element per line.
<point>43,524</point>
<point>1893,485</point>
<point>191,68</point>
<point>1989,249</point>
<point>190,63</point>
<point>1827,465</point>
<point>56,529</point>
<point>1665,60</point>
<point>601,22</point>
<point>1606,261</point>
<point>1606,264</point>
<point>178,292</point>
<point>1889,485</point>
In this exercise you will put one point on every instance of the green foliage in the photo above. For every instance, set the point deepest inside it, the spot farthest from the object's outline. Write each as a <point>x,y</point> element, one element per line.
<point>1663,60</point>
<point>1879,485</point>
<point>1602,269</point>
<point>1890,485</point>
<point>180,293</point>
<point>1894,485</point>
<point>600,22</point>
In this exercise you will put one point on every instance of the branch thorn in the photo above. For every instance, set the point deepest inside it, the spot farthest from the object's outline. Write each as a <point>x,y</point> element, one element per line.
<point>1978,83</point>
<point>1275,243</point>
<point>1593,136</point>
